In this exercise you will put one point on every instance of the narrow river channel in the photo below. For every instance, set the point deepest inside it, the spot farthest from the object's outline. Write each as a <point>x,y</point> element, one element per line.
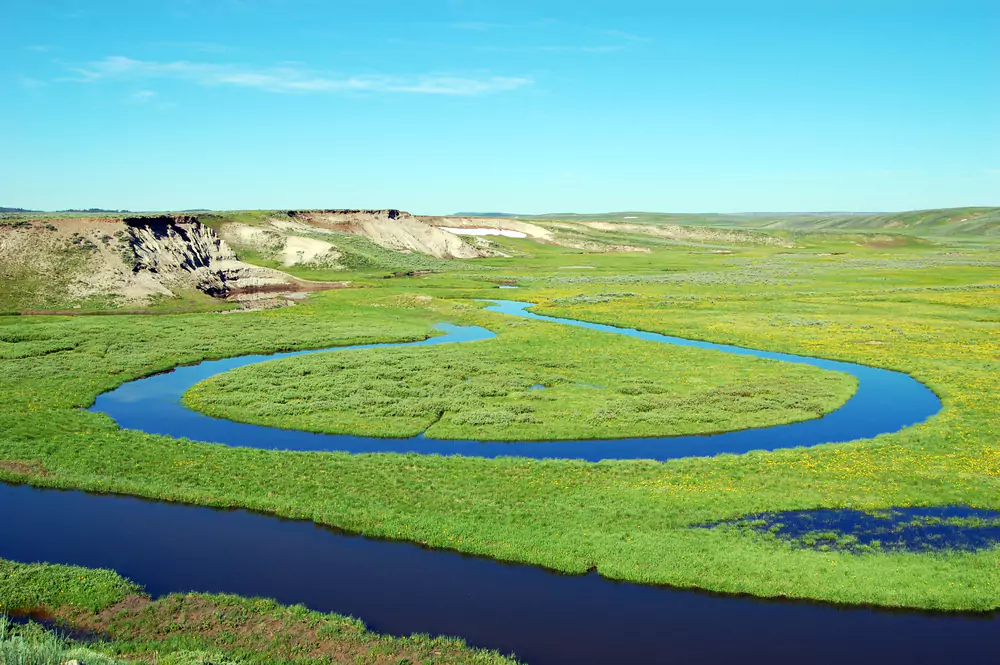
<point>544,617</point>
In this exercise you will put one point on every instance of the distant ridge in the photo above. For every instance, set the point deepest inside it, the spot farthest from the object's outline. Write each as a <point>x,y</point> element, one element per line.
<point>486,214</point>
<point>942,221</point>
<point>86,210</point>
<point>91,210</point>
<point>969,221</point>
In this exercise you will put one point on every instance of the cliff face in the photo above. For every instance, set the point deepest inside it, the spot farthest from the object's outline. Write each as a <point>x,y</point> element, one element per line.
<point>163,245</point>
<point>181,249</point>
<point>131,260</point>
<point>345,215</point>
<point>59,263</point>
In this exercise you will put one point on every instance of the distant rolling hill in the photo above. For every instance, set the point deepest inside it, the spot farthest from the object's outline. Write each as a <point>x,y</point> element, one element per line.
<point>486,214</point>
<point>972,221</point>
<point>94,210</point>
<point>69,210</point>
<point>946,221</point>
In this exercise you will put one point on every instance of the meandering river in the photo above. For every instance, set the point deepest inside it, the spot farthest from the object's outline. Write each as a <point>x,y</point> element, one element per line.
<point>886,401</point>
<point>545,618</point>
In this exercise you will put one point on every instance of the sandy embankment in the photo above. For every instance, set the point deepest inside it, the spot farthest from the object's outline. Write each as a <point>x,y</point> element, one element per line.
<point>460,231</point>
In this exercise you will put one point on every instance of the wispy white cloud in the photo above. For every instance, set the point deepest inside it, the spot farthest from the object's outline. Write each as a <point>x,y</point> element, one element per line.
<point>477,26</point>
<point>626,36</point>
<point>38,48</point>
<point>203,47</point>
<point>142,96</point>
<point>290,79</point>
<point>602,41</point>
<point>70,15</point>
<point>606,48</point>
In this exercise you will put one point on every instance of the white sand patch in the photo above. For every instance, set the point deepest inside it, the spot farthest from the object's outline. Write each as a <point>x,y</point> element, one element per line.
<point>410,235</point>
<point>483,232</point>
<point>307,250</point>
<point>696,234</point>
<point>297,227</point>
<point>244,237</point>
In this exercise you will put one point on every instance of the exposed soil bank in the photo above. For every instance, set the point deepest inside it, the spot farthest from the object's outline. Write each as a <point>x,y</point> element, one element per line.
<point>130,260</point>
<point>484,232</point>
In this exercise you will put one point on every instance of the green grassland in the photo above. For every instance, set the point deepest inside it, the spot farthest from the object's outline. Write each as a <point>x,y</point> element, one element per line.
<point>926,308</point>
<point>535,381</point>
<point>192,629</point>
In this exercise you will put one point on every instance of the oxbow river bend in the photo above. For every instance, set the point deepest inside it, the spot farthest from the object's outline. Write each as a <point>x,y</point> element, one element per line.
<point>543,617</point>
<point>885,401</point>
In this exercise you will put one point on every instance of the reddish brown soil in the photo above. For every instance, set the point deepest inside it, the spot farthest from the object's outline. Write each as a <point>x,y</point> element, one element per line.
<point>267,630</point>
<point>24,468</point>
<point>877,243</point>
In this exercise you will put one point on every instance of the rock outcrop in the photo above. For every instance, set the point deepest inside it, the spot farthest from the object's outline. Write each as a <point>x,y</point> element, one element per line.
<point>183,250</point>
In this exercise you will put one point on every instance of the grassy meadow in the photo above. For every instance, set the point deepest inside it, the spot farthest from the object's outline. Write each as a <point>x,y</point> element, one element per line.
<point>535,381</point>
<point>925,307</point>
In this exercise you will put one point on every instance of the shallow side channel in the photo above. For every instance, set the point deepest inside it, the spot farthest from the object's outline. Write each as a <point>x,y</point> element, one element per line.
<point>545,618</point>
<point>886,401</point>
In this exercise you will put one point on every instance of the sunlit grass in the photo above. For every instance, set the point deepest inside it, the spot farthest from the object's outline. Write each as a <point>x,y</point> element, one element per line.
<point>930,312</point>
<point>534,381</point>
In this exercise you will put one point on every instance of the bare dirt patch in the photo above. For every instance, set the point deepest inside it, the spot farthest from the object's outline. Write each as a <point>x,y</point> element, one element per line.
<point>886,242</point>
<point>393,229</point>
<point>298,249</point>
<point>693,234</point>
<point>24,467</point>
<point>471,224</point>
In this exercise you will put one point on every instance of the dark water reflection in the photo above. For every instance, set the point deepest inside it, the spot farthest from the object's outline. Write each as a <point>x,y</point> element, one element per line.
<point>896,529</point>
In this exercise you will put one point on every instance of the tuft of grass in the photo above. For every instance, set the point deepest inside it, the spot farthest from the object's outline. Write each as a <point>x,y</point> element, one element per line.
<point>32,645</point>
<point>25,586</point>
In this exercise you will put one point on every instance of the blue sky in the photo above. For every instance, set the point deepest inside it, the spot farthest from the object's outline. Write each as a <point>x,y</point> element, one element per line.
<point>541,106</point>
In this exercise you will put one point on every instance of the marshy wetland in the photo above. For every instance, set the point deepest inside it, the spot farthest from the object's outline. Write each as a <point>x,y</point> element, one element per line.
<point>613,489</point>
<point>374,398</point>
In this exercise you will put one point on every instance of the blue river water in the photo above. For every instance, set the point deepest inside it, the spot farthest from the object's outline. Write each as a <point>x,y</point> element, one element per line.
<point>886,401</point>
<point>399,588</point>
<point>903,529</point>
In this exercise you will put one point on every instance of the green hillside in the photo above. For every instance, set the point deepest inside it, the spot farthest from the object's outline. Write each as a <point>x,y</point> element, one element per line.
<point>971,221</point>
<point>942,222</point>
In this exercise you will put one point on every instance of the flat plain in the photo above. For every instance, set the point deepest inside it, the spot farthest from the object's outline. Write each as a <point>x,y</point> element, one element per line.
<point>916,299</point>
